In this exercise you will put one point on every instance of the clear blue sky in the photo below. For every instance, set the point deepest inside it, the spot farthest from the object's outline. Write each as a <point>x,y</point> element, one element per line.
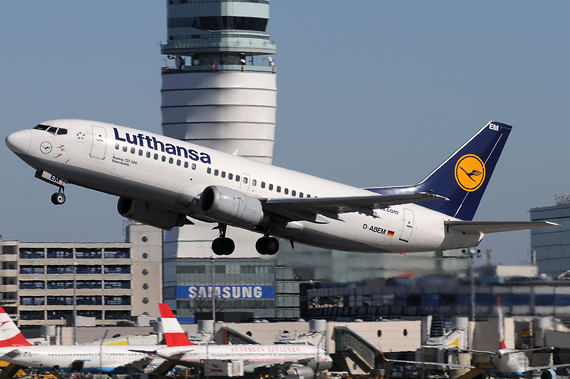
<point>370,93</point>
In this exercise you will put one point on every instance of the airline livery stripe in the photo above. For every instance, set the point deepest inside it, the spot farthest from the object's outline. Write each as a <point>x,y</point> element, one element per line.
<point>176,339</point>
<point>171,325</point>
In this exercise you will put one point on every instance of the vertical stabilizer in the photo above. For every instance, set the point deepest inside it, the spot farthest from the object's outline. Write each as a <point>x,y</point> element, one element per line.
<point>174,335</point>
<point>501,324</point>
<point>10,334</point>
<point>463,177</point>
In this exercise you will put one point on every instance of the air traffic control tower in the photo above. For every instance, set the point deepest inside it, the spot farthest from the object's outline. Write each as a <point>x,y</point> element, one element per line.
<point>221,89</point>
<point>218,90</point>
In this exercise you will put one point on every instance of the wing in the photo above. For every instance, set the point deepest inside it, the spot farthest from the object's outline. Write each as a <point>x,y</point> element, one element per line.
<point>430,363</point>
<point>540,368</point>
<point>310,209</point>
<point>497,226</point>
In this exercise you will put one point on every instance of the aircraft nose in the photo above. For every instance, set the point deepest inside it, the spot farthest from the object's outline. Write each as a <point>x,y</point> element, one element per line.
<point>19,142</point>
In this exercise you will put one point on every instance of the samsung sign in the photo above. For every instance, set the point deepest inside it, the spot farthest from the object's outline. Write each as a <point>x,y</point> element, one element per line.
<point>225,292</point>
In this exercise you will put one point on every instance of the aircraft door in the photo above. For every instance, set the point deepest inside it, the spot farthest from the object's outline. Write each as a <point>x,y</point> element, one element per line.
<point>408,226</point>
<point>245,182</point>
<point>98,142</point>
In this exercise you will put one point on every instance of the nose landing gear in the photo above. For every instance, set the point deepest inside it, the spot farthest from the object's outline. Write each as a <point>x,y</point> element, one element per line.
<point>58,198</point>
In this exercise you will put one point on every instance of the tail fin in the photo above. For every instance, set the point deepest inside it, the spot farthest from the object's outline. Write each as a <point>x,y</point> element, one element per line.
<point>501,324</point>
<point>464,176</point>
<point>173,332</point>
<point>10,335</point>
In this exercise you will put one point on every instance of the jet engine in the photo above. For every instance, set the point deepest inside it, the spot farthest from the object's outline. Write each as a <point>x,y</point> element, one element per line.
<point>299,370</point>
<point>150,214</point>
<point>231,207</point>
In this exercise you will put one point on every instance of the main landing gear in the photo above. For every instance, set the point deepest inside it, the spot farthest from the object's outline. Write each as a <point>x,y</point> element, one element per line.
<point>267,245</point>
<point>225,246</point>
<point>58,198</point>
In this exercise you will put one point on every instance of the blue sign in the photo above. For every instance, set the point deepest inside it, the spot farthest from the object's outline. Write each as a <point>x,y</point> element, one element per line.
<point>225,292</point>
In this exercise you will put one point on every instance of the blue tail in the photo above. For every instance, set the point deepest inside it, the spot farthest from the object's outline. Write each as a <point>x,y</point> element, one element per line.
<point>464,176</point>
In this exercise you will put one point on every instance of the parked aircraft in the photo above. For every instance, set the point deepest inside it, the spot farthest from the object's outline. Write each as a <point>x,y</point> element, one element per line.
<point>112,359</point>
<point>506,362</point>
<point>162,181</point>
<point>304,359</point>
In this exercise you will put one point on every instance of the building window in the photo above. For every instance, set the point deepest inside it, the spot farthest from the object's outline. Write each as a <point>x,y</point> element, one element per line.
<point>88,300</point>
<point>58,253</point>
<point>117,284</point>
<point>59,285</point>
<point>32,253</point>
<point>60,300</point>
<point>117,300</point>
<point>89,269</point>
<point>29,270</point>
<point>117,269</point>
<point>32,315</point>
<point>117,315</point>
<point>118,253</point>
<point>88,284</point>
<point>32,284</point>
<point>59,315</point>
<point>88,253</point>
<point>32,300</point>
<point>59,270</point>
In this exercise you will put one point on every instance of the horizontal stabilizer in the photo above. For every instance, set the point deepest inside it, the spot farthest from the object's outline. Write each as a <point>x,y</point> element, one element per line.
<point>497,226</point>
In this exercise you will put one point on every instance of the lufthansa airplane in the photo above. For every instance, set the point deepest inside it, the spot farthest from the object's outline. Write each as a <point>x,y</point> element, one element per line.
<point>165,182</point>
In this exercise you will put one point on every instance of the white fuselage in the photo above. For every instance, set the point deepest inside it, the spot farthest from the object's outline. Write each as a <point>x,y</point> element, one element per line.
<point>95,358</point>
<point>132,164</point>
<point>252,355</point>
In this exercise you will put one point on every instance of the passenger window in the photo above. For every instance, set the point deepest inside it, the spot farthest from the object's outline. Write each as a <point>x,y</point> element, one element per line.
<point>155,156</point>
<point>209,170</point>
<point>133,150</point>
<point>230,176</point>
<point>300,194</point>
<point>185,164</point>
<point>245,180</point>
<point>52,130</point>
<point>216,172</point>
<point>238,178</point>
<point>178,162</point>
<point>140,153</point>
<point>223,174</point>
<point>163,158</point>
<point>308,195</point>
<point>116,146</point>
<point>262,184</point>
<point>278,188</point>
<point>125,148</point>
<point>286,191</point>
<point>254,182</point>
<point>194,166</point>
<point>293,193</point>
<point>61,131</point>
<point>271,187</point>
<point>148,154</point>
<point>170,160</point>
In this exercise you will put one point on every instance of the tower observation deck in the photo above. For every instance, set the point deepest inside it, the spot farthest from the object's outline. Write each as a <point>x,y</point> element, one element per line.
<point>219,84</point>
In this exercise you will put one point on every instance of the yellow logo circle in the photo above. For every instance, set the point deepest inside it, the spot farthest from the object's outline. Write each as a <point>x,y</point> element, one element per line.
<point>470,172</point>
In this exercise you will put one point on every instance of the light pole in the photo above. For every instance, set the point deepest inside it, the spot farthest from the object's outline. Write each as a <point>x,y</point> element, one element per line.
<point>75,303</point>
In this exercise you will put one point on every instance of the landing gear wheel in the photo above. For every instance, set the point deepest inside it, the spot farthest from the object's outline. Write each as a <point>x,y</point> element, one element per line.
<point>267,246</point>
<point>58,198</point>
<point>223,246</point>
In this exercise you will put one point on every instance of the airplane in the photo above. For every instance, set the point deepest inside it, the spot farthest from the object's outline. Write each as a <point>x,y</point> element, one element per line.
<point>111,359</point>
<point>506,362</point>
<point>164,182</point>
<point>305,360</point>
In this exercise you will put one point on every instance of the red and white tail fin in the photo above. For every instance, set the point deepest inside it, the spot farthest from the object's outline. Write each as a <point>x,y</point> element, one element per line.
<point>173,332</point>
<point>501,324</point>
<point>10,335</point>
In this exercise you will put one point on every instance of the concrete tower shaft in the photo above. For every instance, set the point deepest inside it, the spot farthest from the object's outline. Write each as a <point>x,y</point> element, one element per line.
<point>220,92</point>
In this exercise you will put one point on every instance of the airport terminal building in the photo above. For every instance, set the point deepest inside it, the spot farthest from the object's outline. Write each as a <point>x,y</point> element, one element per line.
<point>113,281</point>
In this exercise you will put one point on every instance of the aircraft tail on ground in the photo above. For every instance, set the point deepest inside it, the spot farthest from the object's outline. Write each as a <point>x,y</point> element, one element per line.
<point>174,335</point>
<point>463,177</point>
<point>10,334</point>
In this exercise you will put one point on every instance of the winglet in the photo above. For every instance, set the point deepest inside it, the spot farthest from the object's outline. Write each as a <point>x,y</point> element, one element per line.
<point>10,335</point>
<point>174,335</point>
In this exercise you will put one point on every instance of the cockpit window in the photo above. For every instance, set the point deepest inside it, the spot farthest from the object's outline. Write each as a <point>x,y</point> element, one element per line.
<point>52,130</point>
<point>61,131</point>
<point>41,127</point>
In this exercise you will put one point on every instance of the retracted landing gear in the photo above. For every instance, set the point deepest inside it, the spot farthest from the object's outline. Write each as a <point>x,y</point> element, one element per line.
<point>223,245</point>
<point>58,198</point>
<point>267,245</point>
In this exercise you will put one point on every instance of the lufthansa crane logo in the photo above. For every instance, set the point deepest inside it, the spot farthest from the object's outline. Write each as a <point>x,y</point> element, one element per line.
<point>470,172</point>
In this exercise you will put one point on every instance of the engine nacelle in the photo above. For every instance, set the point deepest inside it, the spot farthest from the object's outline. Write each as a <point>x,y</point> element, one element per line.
<point>150,214</point>
<point>299,370</point>
<point>231,207</point>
